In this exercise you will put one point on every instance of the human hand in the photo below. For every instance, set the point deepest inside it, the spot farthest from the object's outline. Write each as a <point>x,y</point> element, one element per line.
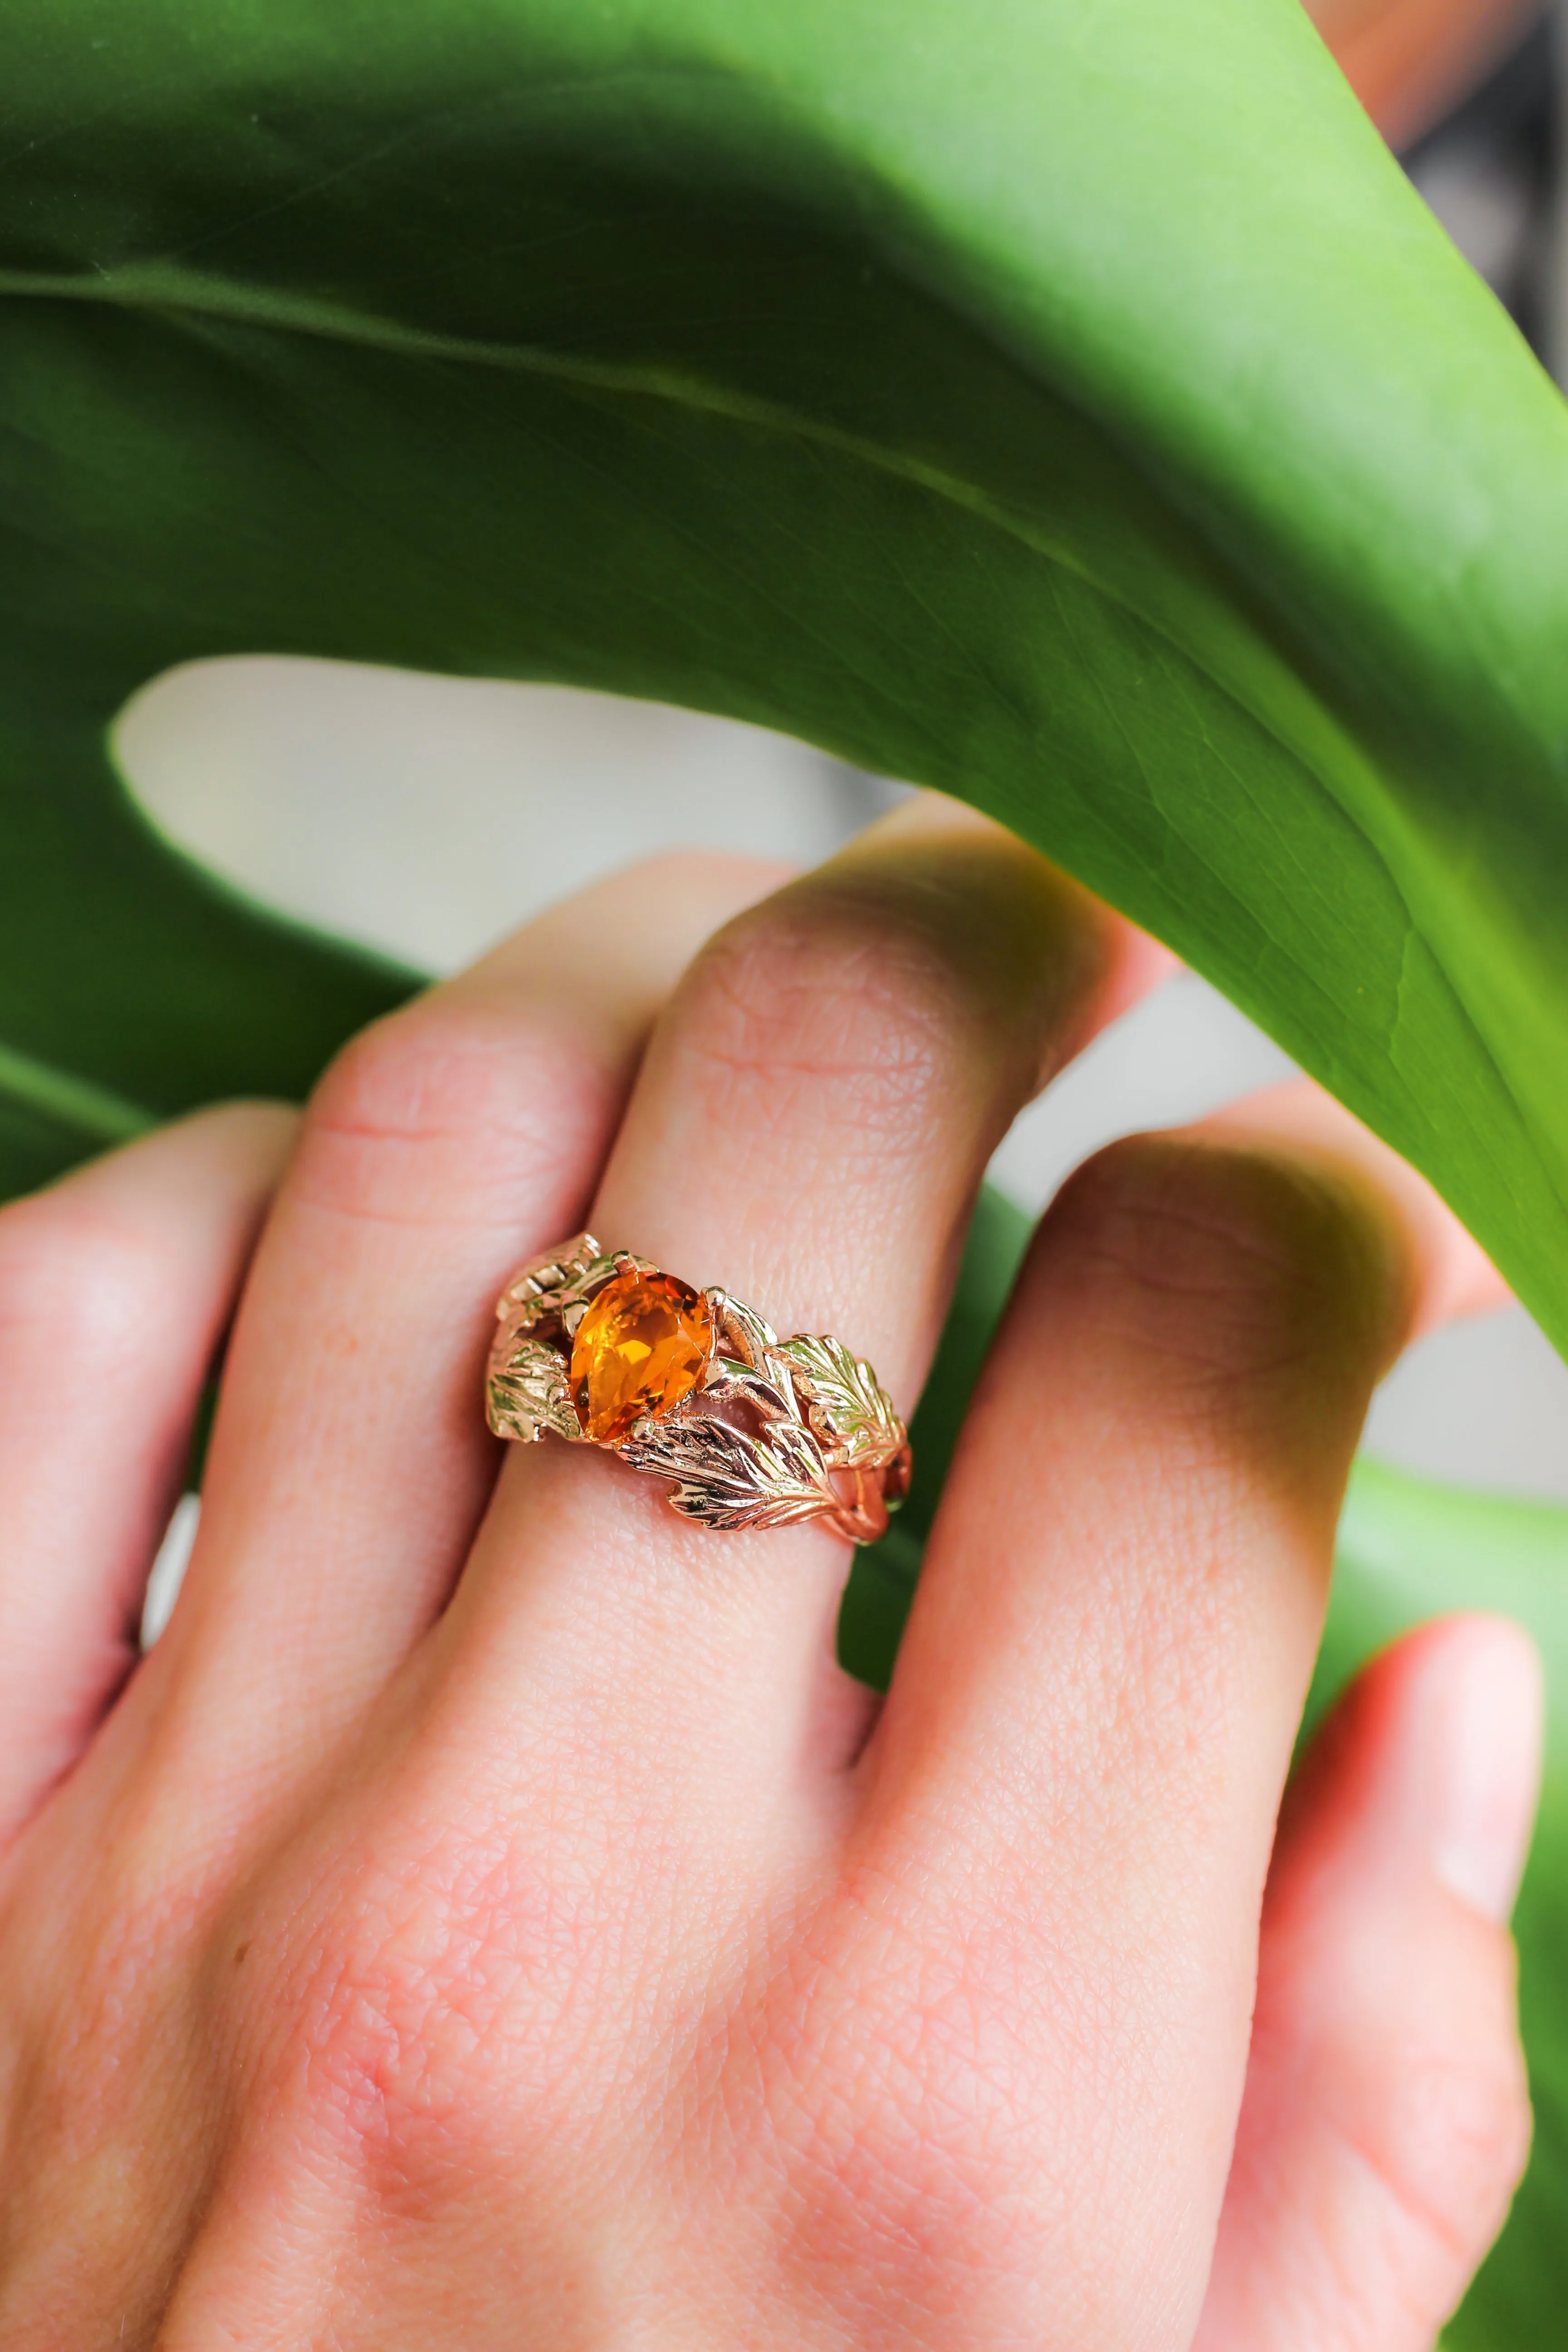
<point>489,1917</point>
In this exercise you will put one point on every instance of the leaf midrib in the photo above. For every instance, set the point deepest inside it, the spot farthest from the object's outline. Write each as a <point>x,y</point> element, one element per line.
<point>72,1101</point>
<point>159,288</point>
<point>152,288</point>
<point>155,287</point>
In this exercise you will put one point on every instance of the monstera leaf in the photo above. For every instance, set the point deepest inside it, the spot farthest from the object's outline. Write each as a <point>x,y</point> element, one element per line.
<point>1068,405</point>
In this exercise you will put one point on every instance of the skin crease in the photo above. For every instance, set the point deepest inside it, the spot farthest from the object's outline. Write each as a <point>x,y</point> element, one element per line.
<point>489,1917</point>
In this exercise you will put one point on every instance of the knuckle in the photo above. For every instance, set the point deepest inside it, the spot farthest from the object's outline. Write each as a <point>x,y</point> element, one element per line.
<point>73,1273</point>
<point>793,1010</point>
<point>434,2008</point>
<point>362,2037</point>
<point>913,2103</point>
<point>391,1130</point>
<point>1234,1262</point>
<point>371,2035</point>
<point>1449,2152</point>
<point>433,1069</point>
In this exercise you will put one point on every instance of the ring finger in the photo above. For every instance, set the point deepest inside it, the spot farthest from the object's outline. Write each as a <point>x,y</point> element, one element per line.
<point>817,1108</point>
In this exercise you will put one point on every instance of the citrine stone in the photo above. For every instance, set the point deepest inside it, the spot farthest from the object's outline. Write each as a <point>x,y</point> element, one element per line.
<point>642,1346</point>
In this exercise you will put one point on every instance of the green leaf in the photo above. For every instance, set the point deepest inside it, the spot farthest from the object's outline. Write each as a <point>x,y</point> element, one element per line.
<point>1084,417</point>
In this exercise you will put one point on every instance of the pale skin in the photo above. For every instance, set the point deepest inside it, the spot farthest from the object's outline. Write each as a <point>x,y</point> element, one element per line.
<point>489,1918</point>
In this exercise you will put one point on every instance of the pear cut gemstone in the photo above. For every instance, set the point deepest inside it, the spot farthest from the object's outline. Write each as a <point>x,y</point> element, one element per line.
<point>643,1344</point>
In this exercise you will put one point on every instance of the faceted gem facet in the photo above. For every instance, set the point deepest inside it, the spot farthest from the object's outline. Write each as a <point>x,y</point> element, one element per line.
<point>642,1346</point>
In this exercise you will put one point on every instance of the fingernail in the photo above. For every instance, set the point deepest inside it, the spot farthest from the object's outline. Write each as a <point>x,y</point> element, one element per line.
<point>1485,1736</point>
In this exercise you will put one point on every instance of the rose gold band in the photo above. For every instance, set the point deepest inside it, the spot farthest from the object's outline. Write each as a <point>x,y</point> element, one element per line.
<point>605,1350</point>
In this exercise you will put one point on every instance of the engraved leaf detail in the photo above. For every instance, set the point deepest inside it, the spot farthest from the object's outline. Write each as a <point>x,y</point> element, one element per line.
<point>849,1407</point>
<point>728,1478</point>
<point>537,1291</point>
<point>742,1324</point>
<point>766,1390</point>
<point>527,1394</point>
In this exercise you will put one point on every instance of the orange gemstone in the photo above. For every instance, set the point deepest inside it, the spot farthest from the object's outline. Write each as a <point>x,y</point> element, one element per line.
<point>642,1346</point>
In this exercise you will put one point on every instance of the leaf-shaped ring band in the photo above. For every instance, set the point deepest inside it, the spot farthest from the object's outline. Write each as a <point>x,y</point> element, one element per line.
<point>755,1431</point>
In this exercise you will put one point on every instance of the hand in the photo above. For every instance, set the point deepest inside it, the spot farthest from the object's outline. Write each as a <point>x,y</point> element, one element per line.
<point>489,1917</point>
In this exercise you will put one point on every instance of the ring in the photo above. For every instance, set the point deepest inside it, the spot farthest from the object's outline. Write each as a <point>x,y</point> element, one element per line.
<point>755,1431</point>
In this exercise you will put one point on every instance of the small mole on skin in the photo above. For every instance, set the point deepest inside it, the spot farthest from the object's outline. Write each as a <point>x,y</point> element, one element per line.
<point>240,1951</point>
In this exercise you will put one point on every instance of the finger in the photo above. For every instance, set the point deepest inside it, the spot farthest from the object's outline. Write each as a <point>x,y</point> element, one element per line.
<point>1386,2120</point>
<point>350,1463</point>
<point>1092,1717</point>
<point>818,1103</point>
<point>1451,1275</point>
<point>115,1288</point>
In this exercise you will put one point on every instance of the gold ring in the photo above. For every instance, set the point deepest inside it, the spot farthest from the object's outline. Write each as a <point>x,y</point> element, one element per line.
<point>755,1431</point>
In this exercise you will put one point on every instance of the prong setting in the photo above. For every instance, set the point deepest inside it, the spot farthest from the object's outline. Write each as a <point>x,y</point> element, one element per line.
<point>756,1432</point>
